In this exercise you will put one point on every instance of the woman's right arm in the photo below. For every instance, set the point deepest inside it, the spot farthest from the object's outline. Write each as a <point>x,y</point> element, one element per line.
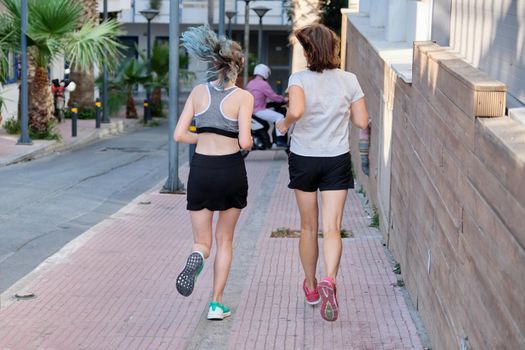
<point>245,121</point>
<point>359,114</point>
<point>182,133</point>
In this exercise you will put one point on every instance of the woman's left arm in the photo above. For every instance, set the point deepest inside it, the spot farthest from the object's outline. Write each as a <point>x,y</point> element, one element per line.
<point>182,133</point>
<point>359,114</point>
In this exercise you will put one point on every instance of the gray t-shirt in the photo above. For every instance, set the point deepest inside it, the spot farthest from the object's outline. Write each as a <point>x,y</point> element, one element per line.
<point>323,130</point>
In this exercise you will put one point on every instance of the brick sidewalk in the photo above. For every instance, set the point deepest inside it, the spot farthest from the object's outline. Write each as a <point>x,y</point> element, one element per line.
<point>11,153</point>
<point>114,286</point>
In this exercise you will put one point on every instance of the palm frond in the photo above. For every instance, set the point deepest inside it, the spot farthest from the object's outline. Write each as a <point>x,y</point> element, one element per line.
<point>52,19</point>
<point>94,45</point>
<point>4,60</point>
<point>10,25</point>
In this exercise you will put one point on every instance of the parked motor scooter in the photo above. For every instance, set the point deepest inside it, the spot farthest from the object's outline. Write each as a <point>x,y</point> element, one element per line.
<point>58,89</point>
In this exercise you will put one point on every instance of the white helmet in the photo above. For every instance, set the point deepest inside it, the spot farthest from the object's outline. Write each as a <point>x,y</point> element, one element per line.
<point>262,70</point>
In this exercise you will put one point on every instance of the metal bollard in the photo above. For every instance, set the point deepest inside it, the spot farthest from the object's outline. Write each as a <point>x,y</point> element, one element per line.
<point>146,111</point>
<point>98,110</point>
<point>74,117</point>
<point>192,128</point>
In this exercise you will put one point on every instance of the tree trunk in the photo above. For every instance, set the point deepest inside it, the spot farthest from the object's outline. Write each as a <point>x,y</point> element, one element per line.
<point>131,110</point>
<point>156,103</point>
<point>40,101</point>
<point>84,94</point>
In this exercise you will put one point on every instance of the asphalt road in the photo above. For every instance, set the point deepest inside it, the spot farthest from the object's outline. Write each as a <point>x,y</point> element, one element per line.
<point>47,202</point>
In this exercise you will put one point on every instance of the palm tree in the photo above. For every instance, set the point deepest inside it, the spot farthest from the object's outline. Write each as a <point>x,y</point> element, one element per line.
<point>53,30</point>
<point>159,79</point>
<point>133,73</point>
<point>84,95</point>
<point>3,60</point>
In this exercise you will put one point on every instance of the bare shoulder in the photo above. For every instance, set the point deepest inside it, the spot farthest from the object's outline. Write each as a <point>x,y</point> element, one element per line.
<point>199,89</point>
<point>244,95</point>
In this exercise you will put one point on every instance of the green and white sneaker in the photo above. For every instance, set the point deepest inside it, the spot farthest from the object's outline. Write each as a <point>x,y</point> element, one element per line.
<point>218,311</point>
<point>186,279</point>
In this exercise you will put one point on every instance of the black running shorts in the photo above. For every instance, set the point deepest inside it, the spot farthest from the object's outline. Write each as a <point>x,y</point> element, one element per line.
<point>309,174</point>
<point>217,182</point>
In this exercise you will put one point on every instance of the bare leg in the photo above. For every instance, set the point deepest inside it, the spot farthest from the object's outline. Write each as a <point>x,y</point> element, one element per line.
<point>308,246</point>
<point>223,238</point>
<point>201,222</point>
<point>333,203</point>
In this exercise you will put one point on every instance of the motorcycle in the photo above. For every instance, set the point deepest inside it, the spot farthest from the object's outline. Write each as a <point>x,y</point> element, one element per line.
<point>260,130</point>
<point>58,89</point>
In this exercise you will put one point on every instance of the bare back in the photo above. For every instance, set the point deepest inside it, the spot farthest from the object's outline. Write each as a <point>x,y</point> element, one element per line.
<point>230,107</point>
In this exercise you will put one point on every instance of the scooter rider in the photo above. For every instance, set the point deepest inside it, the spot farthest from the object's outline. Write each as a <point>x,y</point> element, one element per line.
<point>262,92</point>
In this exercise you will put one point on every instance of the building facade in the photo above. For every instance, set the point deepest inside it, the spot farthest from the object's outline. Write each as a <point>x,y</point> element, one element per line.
<point>276,28</point>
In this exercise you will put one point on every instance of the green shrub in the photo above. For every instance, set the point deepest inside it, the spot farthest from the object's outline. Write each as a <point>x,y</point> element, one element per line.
<point>48,133</point>
<point>12,126</point>
<point>84,113</point>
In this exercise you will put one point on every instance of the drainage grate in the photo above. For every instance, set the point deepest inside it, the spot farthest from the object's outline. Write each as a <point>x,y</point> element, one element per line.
<point>285,232</point>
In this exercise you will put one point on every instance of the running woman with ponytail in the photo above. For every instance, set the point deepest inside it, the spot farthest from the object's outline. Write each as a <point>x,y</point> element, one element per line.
<point>323,101</point>
<point>217,179</point>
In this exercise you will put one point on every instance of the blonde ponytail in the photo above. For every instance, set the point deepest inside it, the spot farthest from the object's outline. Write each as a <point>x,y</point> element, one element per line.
<point>224,55</point>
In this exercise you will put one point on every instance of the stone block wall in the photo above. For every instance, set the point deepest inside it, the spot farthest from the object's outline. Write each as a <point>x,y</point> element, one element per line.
<point>447,174</point>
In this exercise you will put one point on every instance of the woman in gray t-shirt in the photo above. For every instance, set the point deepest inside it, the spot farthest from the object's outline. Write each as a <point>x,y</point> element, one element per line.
<point>323,101</point>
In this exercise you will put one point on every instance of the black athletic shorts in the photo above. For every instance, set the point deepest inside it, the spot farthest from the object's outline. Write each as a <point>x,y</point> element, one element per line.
<point>217,182</point>
<point>324,173</point>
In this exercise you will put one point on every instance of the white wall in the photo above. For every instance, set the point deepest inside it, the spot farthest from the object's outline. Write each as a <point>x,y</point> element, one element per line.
<point>9,94</point>
<point>490,34</point>
<point>403,20</point>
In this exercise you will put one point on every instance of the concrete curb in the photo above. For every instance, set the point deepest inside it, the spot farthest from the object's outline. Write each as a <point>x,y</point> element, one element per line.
<point>115,128</point>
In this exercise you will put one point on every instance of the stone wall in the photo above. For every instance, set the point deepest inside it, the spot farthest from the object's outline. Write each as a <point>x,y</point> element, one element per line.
<point>447,174</point>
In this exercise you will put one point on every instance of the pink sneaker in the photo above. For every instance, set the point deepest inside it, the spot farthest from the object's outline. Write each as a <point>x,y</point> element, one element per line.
<point>312,296</point>
<point>329,306</point>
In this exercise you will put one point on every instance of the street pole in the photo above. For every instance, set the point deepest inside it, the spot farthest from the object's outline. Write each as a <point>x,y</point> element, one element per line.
<point>147,116</point>
<point>210,13</point>
<point>230,15</point>
<point>105,93</point>
<point>149,15</point>
<point>173,183</point>
<point>222,10</point>
<point>246,42</point>
<point>24,137</point>
<point>260,11</point>
<point>259,43</point>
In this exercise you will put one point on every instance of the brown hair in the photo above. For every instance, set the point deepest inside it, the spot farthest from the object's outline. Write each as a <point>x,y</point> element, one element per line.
<point>229,60</point>
<point>321,46</point>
